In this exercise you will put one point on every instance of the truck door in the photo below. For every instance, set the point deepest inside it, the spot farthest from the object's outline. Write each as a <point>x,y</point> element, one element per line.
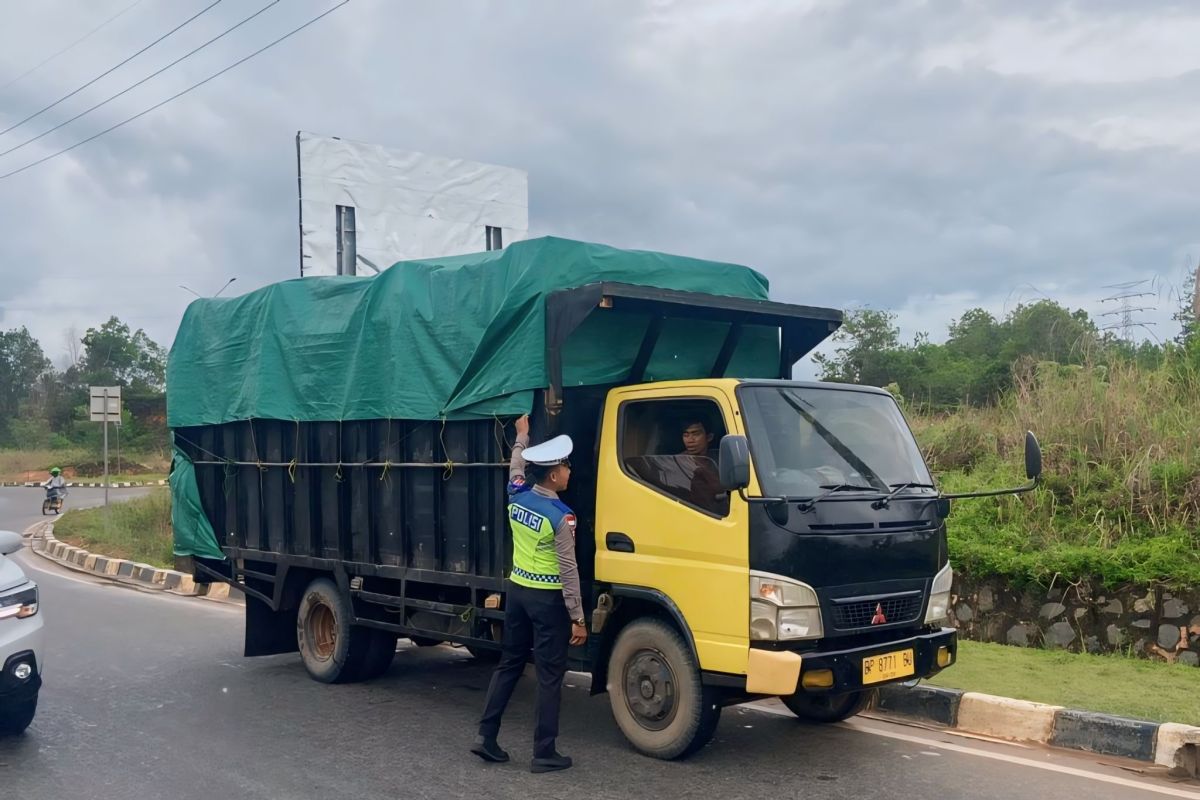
<point>663,522</point>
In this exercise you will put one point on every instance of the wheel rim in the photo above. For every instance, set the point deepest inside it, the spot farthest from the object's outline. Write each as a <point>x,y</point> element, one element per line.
<point>321,629</point>
<point>650,689</point>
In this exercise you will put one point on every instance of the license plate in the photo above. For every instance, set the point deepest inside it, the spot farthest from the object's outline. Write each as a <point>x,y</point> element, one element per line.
<point>888,666</point>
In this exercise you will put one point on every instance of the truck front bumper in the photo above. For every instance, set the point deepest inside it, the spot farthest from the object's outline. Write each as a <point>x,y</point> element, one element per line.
<point>782,672</point>
<point>847,665</point>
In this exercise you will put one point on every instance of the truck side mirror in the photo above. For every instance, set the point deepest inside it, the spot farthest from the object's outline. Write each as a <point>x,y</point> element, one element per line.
<point>734,464</point>
<point>10,543</point>
<point>1033,457</point>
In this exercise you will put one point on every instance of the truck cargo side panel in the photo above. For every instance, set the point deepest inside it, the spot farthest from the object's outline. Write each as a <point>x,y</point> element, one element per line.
<point>424,507</point>
<point>407,494</point>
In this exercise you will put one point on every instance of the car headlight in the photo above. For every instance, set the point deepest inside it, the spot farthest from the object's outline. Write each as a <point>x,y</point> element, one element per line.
<point>781,608</point>
<point>939,596</point>
<point>20,604</point>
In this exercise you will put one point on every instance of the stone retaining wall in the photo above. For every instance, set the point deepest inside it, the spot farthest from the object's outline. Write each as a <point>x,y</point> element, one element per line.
<point>1146,621</point>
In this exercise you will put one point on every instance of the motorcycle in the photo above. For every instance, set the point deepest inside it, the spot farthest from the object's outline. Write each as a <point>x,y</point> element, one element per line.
<point>54,500</point>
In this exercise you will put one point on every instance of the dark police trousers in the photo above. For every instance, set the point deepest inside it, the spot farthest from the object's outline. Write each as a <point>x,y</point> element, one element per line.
<point>537,620</point>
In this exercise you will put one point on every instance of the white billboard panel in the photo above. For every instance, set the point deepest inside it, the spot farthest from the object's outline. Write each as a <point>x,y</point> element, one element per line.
<point>404,205</point>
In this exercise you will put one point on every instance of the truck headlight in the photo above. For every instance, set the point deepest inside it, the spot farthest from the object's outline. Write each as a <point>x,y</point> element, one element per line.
<point>781,608</point>
<point>20,604</point>
<point>764,621</point>
<point>939,596</point>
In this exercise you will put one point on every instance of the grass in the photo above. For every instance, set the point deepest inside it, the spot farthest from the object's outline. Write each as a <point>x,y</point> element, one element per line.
<point>133,477</point>
<point>138,529</point>
<point>16,465</point>
<point>33,465</point>
<point>1109,684</point>
<point>1120,499</point>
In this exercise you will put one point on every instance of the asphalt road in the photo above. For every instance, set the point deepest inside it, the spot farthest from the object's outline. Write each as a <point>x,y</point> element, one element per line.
<point>147,695</point>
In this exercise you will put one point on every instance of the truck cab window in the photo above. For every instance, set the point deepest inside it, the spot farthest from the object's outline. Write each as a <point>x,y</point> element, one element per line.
<point>671,446</point>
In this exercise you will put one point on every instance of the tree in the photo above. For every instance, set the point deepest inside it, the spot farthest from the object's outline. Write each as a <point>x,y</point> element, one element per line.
<point>1188,315</point>
<point>976,334</point>
<point>1048,332</point>
<point>22,362</point>
<point>868,338</point>
<point>114,356</point>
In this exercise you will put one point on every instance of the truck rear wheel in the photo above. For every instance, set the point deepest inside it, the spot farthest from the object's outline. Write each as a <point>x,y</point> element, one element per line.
<point>826,708</point>
<point>657,698</point>
<point>333,649</point>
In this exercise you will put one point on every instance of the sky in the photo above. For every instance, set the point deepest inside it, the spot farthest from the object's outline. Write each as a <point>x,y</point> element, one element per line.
<point>920,156</point>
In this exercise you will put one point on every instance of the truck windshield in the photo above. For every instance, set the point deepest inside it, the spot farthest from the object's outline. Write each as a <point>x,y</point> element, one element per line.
<point>807,441</point>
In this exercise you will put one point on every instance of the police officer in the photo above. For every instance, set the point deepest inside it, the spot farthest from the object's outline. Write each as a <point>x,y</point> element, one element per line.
<point>544,610</point>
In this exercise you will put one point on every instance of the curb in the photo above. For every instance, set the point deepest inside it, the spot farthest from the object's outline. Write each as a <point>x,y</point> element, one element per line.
<point>73,485</point>
<point>119,570</point>
<point>1167,744</point>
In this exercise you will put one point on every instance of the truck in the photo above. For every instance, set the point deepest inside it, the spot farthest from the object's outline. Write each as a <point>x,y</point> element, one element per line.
<point>341,449</point>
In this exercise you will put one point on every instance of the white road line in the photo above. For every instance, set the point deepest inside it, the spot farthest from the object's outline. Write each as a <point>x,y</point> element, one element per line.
<point>1170,791</point>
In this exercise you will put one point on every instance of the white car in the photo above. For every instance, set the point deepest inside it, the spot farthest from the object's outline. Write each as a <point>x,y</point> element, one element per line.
<point>21,647</point>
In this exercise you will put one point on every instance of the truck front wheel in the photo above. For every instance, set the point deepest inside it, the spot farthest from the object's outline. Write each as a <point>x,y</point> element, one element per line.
<point>657,698</point>
<point>826,708</point>
<point>332,648</point>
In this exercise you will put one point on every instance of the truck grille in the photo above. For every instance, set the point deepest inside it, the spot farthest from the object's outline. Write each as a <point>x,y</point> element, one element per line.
<point>852,614</point>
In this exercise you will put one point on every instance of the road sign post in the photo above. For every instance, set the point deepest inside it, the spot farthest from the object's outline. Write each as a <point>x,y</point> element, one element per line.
<point>105,406</point>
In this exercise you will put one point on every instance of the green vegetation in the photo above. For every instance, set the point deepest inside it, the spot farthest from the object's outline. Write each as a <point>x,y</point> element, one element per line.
<point>1121,493</point>
<point>80,465</point>
<point>43,408</point>
<point>1117,422</point>
<point>138,529</point>
<point>1108,684</point>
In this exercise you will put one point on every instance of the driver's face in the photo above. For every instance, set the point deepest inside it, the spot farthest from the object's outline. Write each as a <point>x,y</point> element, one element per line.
<point>696,440</point>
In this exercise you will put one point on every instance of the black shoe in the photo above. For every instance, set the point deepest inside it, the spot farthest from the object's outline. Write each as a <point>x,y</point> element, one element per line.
<point>550,764</point>
<point>489,750</point>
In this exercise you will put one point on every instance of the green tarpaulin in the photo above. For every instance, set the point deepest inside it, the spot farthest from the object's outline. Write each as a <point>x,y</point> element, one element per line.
<point>453,337</point>
<point>192,532</point>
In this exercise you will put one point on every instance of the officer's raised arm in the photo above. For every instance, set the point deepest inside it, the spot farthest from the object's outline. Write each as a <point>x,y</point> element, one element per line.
<point>516,464</point>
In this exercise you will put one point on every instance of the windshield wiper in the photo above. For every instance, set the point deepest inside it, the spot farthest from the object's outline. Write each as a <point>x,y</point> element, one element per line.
<point>897,488</point>
<point>832,488</point>
<point>837,444</point>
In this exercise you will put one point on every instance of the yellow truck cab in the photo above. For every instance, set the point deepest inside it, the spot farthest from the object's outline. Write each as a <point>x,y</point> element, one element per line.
<point>737,537</point>
<point>768,588</point>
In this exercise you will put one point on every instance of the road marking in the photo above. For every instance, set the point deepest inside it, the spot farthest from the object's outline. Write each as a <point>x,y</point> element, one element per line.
<point>1170,791</point>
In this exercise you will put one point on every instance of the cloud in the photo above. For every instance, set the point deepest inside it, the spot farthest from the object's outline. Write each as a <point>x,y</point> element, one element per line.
<point>913,155</point>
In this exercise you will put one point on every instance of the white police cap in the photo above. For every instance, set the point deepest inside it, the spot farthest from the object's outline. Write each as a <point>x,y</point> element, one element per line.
<point>549,453</point>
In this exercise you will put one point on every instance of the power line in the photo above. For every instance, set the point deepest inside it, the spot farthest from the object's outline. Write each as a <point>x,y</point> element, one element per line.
<point>112,69</point>
<point>130,88</point>
<point>177,95</point>
<point>73,44</point>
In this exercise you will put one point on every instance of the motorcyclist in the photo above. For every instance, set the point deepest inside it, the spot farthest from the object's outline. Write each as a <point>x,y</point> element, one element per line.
<point>55,486</point>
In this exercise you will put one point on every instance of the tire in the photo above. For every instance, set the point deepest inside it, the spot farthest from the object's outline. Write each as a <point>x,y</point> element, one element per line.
<point>15,718</point>
<point>654,688</point>
<point>424,641</point>
<point>45,507</point>
<point>378,655</point>
<point>333,650</point>
<point>823,709</point>
<point>485,655</point>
